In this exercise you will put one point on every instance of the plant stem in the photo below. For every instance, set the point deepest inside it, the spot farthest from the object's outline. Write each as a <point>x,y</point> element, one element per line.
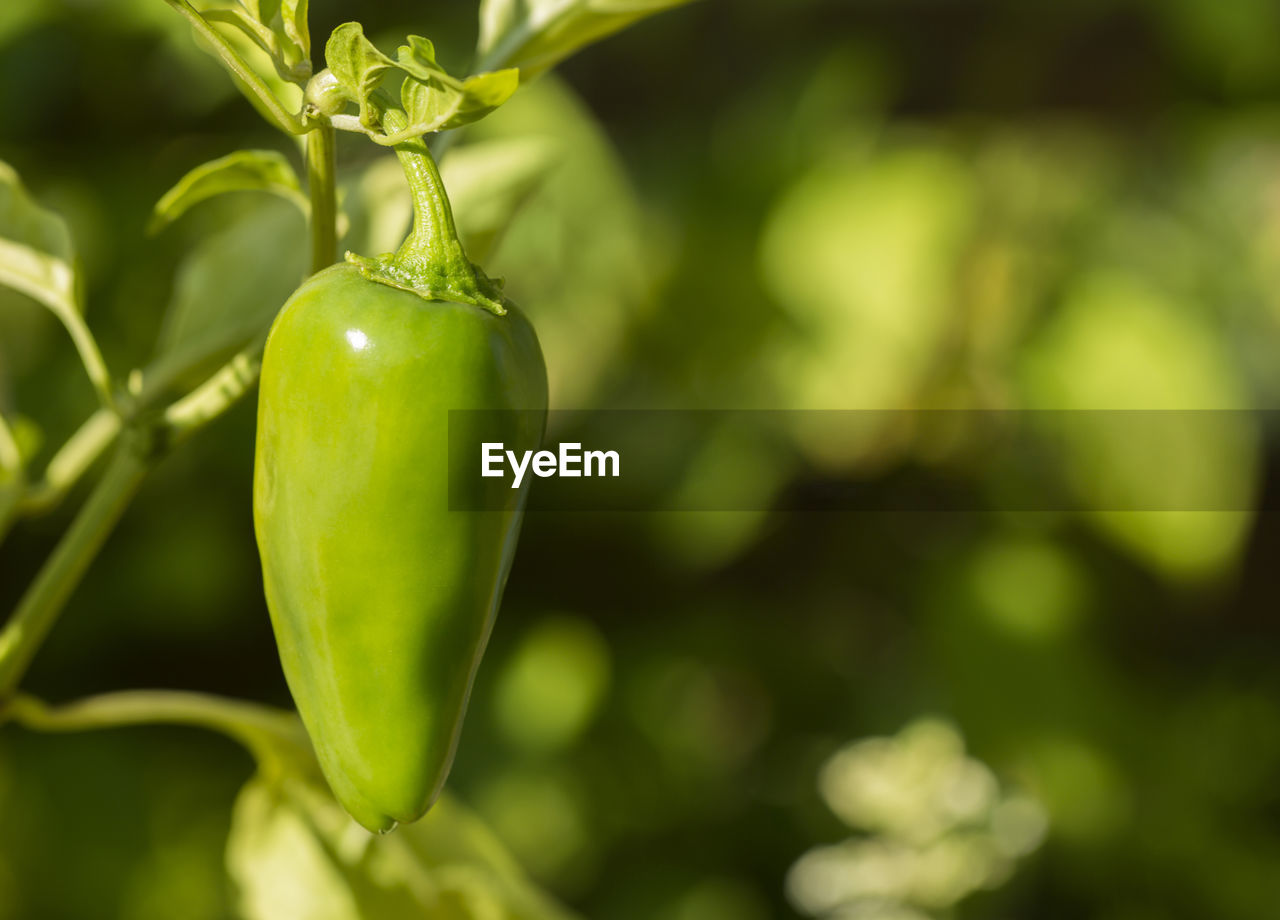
<point>267,732</point>
<point>430,262</point>
<point>12,477</point>
<point>62,571</point>
<point>434,235</point>
<point>322,189</point>
<point>90,355</point>
<point>71,461</point>
<point>215,396</point>
<point>45,598</point>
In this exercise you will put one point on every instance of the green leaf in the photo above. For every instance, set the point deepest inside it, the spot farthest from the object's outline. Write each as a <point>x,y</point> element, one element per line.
<point>489,182</point>
<point>255,31</point>
<point>279,29</point>
<point>244,170</point>
<point>227,291</point>
<point>534,35</point>
<point>439,106</point>
<point>270,91</point>
<point>261,10</point>
<point>418,59</point>
<point>358,66</point>
<point>294,853</point>
<point>36,254</point>
<point>37,259</point>
<point>278,860</point>
<point>294,14</point>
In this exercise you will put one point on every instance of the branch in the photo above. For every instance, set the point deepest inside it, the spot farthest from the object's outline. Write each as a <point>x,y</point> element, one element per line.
<point>268,733</point>
<point>39,608</point>
<point>71,461</point>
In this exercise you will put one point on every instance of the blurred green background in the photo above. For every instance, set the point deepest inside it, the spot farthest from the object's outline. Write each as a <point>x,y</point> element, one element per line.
<point>956,204</point>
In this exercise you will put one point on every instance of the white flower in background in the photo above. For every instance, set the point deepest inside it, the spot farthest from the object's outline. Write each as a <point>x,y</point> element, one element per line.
<point>934,827</point>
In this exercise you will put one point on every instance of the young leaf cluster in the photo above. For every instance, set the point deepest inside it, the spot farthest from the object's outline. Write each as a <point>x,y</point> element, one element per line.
<point>430,99</point>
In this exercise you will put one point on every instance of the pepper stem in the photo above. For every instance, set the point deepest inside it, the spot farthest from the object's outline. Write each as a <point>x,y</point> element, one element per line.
<point>431,262</point>
<point>321,170</point>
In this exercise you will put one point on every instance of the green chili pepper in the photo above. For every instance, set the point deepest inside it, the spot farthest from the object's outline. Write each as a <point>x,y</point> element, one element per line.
<point>381,597</point>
